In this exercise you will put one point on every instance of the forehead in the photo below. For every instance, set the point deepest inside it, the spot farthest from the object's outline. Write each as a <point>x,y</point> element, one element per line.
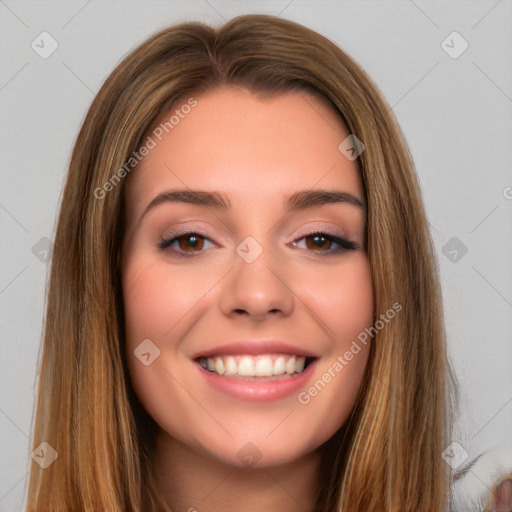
<point>250,146</point>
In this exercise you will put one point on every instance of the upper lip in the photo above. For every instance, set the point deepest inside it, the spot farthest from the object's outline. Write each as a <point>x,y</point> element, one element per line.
<point>255,347</point>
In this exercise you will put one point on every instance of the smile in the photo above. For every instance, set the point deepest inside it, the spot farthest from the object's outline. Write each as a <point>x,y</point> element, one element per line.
<point>263,365</point>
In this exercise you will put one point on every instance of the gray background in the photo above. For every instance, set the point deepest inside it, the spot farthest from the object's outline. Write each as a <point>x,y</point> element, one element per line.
<point>455,113</point>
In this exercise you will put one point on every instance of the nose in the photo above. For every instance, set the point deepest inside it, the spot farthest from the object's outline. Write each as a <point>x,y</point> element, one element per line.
<point>257,289</point>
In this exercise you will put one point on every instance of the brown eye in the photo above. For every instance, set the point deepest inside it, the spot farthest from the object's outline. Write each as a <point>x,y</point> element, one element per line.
<point>318,241</point>
<point>327,244</point>
<point>190,241</point>
<point>184,244</point>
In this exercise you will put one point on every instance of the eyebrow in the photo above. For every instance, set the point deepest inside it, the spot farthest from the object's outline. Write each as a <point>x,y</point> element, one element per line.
<point>297,201</point>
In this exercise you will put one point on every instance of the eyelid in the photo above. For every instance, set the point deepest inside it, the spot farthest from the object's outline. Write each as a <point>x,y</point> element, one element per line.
<point>324,227</point>
<point>333,229</point>
<point>186,227</point>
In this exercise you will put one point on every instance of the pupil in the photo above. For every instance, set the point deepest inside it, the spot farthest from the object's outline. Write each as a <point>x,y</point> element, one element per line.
<point>192,241</point>
<point>317,238</point>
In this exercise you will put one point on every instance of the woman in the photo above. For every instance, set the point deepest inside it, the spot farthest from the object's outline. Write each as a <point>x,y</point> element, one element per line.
<point>202,350</point>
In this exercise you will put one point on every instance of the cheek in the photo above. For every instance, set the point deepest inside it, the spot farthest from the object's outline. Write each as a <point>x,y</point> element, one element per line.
<point>155,300</point>
<point>343,300</point>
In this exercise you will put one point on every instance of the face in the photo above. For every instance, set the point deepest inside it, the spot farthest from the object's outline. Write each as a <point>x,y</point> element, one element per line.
<point>229,293</point>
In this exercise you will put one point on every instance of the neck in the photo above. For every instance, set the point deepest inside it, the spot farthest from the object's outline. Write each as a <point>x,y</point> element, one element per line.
<point>193,482</point>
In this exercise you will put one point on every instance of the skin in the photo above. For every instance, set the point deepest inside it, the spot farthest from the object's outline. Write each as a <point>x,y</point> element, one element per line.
<point>257,151</point>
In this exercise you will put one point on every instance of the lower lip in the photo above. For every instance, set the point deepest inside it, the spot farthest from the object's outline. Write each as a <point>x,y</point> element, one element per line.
<point>253,390</point>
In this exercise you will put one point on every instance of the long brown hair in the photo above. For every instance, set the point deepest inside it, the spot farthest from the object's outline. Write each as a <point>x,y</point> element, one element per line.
<point>387,457</point>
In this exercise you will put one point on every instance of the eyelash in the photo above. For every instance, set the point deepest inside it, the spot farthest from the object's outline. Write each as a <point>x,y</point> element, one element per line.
<point>343,243</point>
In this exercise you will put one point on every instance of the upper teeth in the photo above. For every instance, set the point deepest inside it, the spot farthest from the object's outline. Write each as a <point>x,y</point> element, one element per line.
<point>254,366</point>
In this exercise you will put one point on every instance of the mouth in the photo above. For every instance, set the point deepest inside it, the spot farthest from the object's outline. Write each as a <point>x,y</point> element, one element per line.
<point>259,370</point>
<point>261,367</point>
